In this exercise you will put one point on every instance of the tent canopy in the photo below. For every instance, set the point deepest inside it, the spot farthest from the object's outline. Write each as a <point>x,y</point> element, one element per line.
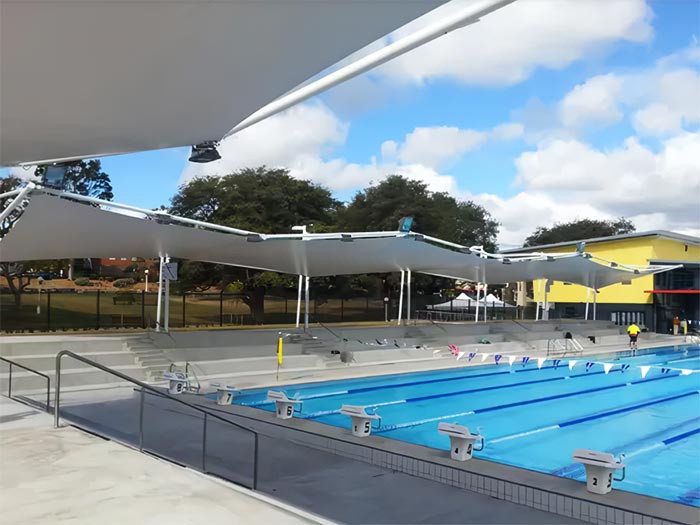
<point>55,227</point>
<point>464,301</point>
<point>91,78</point>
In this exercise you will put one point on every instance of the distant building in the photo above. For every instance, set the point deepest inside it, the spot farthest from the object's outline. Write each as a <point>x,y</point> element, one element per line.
<point>652,300</point>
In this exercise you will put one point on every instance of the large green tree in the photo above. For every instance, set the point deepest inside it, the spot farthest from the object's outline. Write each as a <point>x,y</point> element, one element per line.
<point>260,199</point>
<point>380,207</point>
<point>578,230</point>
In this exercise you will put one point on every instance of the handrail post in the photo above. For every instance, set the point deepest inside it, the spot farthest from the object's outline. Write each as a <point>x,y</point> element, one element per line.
<point>9,385</point>
<point>48,394</point>
<point>204,444</point>
<point>255,462</point>
<point>141,402</point>
<point>57,394</point>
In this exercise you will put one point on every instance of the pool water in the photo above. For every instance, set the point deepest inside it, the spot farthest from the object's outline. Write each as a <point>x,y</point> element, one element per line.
<point>535,418</point>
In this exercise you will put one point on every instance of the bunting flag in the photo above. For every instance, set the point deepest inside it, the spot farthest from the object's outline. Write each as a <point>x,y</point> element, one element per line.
<point>624,368</point>
<point>484,357</point>
<point>589,365</point>
<point>511,360</point>
<point>472,355</point>
<point>540,361</point>
<point>497,358</point>
<point>686,372</point>
<point>607,367</point>
<point>454,350</point>
<point>460,355</point>
<point>644,370</point>
<point>665,370</point>
<point>556,363</point>
<point>525,360</point>
<point>572,363</point>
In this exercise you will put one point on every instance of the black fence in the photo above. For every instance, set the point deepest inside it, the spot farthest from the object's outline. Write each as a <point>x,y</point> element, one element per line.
<point>51,310</point>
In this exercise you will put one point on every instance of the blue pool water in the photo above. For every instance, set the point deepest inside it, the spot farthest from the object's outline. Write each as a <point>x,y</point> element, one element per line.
<point>535,418</point>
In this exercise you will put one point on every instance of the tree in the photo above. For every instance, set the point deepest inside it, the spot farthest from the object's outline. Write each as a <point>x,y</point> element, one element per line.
<point>578,230</point>
<point>380,207</point>
<point>260,199</point>
<point>85,178</point>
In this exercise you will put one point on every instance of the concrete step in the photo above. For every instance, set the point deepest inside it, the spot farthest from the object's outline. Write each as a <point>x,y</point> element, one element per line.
<point>78,377</point>
<point>44,362</point>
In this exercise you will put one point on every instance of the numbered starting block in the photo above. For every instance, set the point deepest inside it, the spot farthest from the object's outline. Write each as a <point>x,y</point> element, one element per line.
<point>178,382</point>
<point>461,441</point>
<point>284,407</point>
<point>361,420</point>
<point>225,395</point>
<point>600,467</point>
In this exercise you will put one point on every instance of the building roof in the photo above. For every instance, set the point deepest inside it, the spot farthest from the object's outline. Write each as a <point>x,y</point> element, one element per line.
<point>99,77</point>
<point>54,227</point>
<point>665,234</point>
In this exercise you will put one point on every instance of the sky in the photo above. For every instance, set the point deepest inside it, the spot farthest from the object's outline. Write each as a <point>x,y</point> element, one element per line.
<point>545,111</point>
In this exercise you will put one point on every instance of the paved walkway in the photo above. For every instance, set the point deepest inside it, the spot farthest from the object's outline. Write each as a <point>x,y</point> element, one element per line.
<point>50,476</point>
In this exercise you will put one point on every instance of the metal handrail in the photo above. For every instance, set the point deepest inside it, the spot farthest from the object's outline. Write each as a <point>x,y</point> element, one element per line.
<point>9,385</point>
<point>147,388</point>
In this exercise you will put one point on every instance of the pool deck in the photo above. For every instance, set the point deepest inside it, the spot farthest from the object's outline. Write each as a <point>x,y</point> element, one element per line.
<point>52,476</point>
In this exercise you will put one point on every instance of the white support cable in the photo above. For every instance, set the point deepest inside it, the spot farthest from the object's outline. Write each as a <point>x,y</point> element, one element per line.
<point>478,289</point>
<point>11,193</point>
<point>166,320</point>
<point>469,15</point>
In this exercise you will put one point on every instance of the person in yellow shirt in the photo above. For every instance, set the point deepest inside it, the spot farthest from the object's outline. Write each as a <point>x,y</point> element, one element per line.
<point>633,331</point>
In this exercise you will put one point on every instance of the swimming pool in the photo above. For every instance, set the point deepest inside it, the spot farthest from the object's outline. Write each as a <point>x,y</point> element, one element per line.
<point>535,414</point>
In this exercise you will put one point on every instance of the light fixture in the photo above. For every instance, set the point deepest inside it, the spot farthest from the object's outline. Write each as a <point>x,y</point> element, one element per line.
<point>205,152</point>
<point>54,175</point>
<point>419,237</point>
<point>345,237</point>
<point>405,224</point>
<point>613,265</point>
<point>505,261</point>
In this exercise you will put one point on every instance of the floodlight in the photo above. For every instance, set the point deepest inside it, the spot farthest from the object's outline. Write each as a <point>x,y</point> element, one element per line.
<point>204,152</point>
<point>405,224</point>
<point>54,176</point>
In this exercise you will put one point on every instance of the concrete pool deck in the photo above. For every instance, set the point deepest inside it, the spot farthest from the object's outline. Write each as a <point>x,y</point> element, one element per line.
<point>61,475</point>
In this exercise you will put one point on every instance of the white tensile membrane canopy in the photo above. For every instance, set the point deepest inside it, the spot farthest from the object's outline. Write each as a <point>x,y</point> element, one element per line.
<point>55,225</point>
<point>92,78</point>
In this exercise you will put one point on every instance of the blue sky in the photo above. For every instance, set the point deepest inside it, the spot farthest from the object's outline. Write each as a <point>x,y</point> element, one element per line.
<point>542,113</point>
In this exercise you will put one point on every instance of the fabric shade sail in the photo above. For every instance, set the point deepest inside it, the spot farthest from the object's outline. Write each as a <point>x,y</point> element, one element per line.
<point>58,227</point>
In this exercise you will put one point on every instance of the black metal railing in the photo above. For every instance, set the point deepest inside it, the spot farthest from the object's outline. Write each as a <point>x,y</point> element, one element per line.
<point>161,449</point>
<point>25,399</point>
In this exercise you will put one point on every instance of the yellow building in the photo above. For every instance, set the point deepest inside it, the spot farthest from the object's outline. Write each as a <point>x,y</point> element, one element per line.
<point>652,300</point>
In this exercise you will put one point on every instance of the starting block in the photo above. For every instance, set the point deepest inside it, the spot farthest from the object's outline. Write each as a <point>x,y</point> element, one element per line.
<point>284,407</point>
<point>361,420</point>
<point>600,467</point>
<point>461,441</point>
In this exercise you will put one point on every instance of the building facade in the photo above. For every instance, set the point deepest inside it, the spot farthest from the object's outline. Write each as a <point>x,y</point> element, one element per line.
<point>652,300</point>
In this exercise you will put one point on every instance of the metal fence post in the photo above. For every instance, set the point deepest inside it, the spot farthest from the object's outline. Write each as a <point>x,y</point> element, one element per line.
<point>97,311</point>
<point>184,295</point>
<point>48,310</point>
<point>9,384</point>
<point>342,307</point>
<point>143,309</point>
<point>221,308</point>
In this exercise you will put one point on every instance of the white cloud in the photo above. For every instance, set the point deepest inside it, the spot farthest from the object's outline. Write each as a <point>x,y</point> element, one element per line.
<point>507,45</point>
<point>567,179</point>
<point>437,146</point>
<point>594,101</point>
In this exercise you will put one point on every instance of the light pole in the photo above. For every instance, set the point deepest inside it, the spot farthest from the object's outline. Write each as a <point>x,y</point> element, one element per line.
<point>40,280</point>
<point>145,286</point>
